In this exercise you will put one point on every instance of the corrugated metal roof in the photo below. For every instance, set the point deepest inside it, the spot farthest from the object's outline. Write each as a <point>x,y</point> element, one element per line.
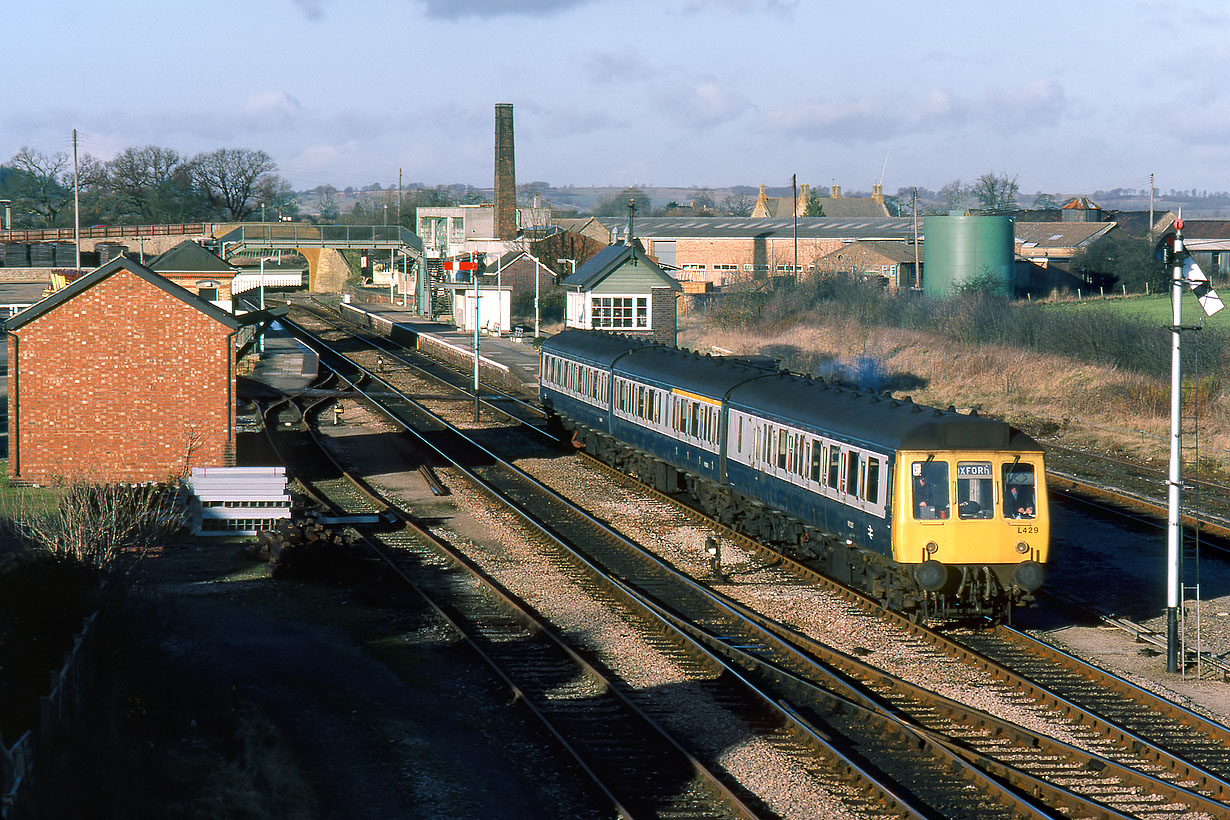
<point>822,227</point>
<point>1059,234</point>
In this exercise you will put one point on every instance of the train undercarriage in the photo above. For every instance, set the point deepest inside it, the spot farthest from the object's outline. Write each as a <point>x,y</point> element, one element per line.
<point>922,592</point>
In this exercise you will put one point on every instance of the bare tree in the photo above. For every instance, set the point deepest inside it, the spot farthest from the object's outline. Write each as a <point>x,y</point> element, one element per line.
<point>327,202</point>
<point>1046,202</point>
<point>151,184</point>
<point>738,204</point>
<point>952,196</point>
<point>44,183</point>
<point>995,192</point>
<point>228,178</point>
<point>277,195</point>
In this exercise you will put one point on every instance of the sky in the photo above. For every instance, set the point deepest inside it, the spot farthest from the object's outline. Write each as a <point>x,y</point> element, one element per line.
<point>1068,96</point>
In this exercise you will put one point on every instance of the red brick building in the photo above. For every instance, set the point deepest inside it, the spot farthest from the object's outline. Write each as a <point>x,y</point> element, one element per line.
<point>121,376</point>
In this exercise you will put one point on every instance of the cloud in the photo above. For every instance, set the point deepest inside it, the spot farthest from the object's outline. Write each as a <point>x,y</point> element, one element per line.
<point>699,101</point>
<point>693,98</point>
<point>311,9</point>
<point>1040,102</point>
<point>271,105</point>
<point>739,6</point>
<point>458,9</point>
<point>622,66</point>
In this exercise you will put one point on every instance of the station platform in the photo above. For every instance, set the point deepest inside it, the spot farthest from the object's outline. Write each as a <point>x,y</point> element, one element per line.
<point>507,361</point>
<point>284,367</point>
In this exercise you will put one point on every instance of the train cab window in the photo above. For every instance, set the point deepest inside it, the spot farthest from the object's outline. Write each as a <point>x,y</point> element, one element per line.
<point>1019,491</point>
<point>930,489</point>
<point>975,489</point>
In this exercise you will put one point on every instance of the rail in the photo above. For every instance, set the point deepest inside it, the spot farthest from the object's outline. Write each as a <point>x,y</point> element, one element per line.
<point>104,232</point>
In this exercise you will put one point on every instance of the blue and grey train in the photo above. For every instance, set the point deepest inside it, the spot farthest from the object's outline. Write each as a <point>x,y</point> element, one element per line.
<point>932,512</point>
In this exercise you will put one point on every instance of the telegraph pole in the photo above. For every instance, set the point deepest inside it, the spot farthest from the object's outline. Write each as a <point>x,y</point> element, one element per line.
<point>794,186</point>
<point>76,203</point>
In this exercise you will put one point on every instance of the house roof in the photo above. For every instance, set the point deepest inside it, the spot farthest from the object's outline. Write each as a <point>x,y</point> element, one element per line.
<point>1058,234</point>
<point>610,259</point>
<point>507,259</point>
<point>1080,203</point>
<point>846,207</point>
<point>1206,229</point>
<point>190,257</point>
<point>115,265</point>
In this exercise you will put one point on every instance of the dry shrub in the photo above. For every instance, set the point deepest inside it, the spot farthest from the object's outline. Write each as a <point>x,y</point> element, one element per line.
<point>103,526</point>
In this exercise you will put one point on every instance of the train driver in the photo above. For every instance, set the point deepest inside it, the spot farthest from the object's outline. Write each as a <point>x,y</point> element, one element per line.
<point>1019,502</point>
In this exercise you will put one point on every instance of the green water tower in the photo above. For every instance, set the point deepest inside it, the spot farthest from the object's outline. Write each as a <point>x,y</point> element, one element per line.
<point>963,249</point>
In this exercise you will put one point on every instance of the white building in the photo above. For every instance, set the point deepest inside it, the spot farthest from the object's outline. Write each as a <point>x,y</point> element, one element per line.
<point>448,232</point>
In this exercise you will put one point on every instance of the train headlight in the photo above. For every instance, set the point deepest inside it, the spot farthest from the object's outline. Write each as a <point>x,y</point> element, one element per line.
<point>932,548</point>
<point>1022,547</point>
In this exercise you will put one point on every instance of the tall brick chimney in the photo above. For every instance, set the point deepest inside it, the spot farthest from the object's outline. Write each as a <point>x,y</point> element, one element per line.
<point>505,174</point>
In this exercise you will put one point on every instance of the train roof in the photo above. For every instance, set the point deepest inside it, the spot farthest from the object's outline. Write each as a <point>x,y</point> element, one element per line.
<point>710,376</point>
<point>595,347</point>
<point>875,418</point>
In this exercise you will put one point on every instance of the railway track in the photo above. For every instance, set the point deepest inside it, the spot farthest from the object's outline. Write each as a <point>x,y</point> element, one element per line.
<point>629,758</point>
<point>1129,787</point>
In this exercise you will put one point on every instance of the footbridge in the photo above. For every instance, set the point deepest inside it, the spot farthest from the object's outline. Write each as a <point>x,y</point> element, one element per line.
<point>315,241</point>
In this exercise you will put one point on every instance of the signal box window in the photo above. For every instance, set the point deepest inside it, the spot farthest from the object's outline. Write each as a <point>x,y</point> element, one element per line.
<point>975,489</point>
<point>1019,488</point>
<point>930,489</point>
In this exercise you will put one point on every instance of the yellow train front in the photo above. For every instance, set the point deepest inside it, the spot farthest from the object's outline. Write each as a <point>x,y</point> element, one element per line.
<point>971,526</point>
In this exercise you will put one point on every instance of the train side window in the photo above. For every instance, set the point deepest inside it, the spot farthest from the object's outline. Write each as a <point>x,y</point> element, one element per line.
<point>781,449</point>
<point>834,467</point>
<point>852,473</point>
<point>975,489</point>
<point>930,489</point>
<point>1019,491</point>
<point>872,495</point>
<point>817,462</point>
